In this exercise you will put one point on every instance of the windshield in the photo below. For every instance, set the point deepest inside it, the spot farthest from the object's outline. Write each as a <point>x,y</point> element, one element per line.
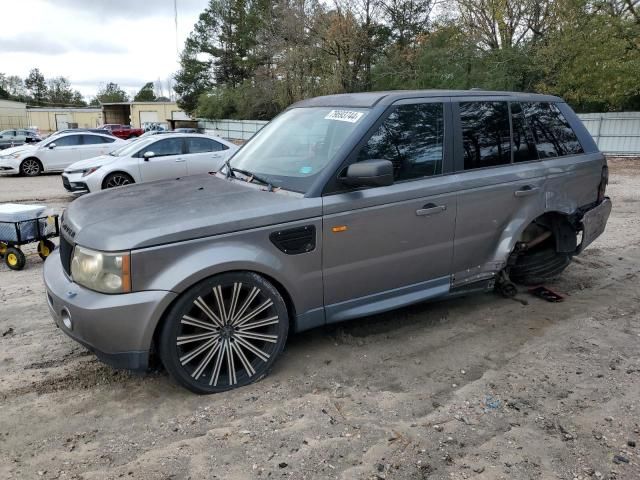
<point>296,146</point>
<point>131,147</point>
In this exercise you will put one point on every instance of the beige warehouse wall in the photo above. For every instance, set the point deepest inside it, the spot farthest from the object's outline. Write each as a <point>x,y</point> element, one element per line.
<point>163,111</point>
<point>12,114</point>
<point>45,119</point>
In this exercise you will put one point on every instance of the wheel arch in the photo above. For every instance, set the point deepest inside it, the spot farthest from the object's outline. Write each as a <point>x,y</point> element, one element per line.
<point>104,180</point>
<point>279,286</point>
<point>32,157</point>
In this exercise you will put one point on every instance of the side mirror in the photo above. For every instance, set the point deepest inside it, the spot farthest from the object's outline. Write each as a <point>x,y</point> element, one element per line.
<point>369,173</point>
<point>52,146</point>
<point>148,155</point>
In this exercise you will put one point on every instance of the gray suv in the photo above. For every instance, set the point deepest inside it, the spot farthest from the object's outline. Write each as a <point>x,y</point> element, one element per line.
<point>343,206</point>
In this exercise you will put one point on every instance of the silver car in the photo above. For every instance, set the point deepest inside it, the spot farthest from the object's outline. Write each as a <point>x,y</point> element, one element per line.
<point>341,207</point>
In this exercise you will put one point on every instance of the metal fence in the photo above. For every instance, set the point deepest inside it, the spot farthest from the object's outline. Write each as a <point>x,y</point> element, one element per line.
<point>616,133</point>
<point>232,129</point>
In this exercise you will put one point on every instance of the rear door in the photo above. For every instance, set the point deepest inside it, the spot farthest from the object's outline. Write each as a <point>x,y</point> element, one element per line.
<point>500,182</point>
<point>204,155</point>
<point>168,161</point>
<point>93,146</point>
<point>388,246</point>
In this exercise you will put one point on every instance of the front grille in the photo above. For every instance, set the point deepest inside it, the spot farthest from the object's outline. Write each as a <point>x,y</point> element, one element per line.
<point>66,250</point>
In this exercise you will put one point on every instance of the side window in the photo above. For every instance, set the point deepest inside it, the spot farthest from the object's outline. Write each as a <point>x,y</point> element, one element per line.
<point>552,133</point>
<point>107,139</point>
<point>68,141</point>
<point>203,145</point>
<point>524,146</point>
<point>91,140</point>
<point>163,148</point>
<point>411,138</point>
<point>486,134</point>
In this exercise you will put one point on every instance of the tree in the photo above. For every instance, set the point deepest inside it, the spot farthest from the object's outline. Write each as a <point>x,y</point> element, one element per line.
<point>145,94</point>
<point>36,85</point>
<point>111,93</point>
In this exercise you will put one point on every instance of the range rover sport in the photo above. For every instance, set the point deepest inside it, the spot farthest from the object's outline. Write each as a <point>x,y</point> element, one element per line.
<point>341,207</point>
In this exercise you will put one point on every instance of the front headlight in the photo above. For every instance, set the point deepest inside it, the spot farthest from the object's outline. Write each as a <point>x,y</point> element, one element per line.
<point>89,171</point>
<point>100,271</point>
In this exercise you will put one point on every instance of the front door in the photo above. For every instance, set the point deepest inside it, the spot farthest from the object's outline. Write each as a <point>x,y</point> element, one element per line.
<point>386,247</point>
<point>66,151</point>
<point>168,160</point>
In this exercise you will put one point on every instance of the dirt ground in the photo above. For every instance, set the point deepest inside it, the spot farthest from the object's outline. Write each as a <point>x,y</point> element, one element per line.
<point>478,387</point>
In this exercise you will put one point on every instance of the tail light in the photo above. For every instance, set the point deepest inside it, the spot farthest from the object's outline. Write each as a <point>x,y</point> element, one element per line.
<point>604,181</point>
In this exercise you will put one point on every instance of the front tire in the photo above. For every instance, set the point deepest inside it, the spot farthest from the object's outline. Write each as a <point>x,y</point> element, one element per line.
<point>15,259</point>
<point>224,332</point>
<point>31,167</point>
<point>117,179</point>
<point>539,266</point>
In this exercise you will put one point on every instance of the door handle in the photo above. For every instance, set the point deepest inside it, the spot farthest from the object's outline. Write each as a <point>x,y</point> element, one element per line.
<point>216,155</point>
<point>526,191</point>
<point>430,209</point>
<point>178,160</point>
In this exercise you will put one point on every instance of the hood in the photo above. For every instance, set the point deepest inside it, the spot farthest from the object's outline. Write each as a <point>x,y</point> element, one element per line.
<point>18,149</point>
<point>91,162</point>
<point>170,211</point>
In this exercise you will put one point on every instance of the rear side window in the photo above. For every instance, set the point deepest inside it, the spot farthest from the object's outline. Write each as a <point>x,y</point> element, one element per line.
<point>411,138</point>
<point>551,131</point>
<point>68,141</point>
<point>91,139</point>
<point>203,145</point>
<point>107,139</point>
<point>486,134</point>
<point>524,145</point>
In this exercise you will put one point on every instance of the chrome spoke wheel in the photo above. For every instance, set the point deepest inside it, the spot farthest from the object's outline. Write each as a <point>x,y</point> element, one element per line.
<point>228,333</point>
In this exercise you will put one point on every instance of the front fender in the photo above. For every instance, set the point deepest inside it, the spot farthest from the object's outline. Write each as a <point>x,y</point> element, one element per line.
<point>176,267</point>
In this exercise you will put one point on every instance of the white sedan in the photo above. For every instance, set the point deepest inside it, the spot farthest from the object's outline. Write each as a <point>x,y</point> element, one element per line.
<point>157,157</point>
<point>56,153</point>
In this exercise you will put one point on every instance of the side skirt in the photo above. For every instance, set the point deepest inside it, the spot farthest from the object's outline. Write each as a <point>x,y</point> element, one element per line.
<point>389,300</point>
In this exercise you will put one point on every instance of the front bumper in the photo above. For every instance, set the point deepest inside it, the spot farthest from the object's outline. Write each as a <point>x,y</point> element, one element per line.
<point>594,222</point>
<point>117,328</point>
<point>9,166</point>
<point>73,186</point>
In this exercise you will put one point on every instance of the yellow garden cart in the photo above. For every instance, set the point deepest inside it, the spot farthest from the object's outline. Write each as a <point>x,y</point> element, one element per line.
<point>15,234</point>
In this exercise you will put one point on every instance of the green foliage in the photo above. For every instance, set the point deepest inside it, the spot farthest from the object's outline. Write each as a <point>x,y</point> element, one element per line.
<point>252,58</point>
<point>59,92</point>
<point>111,93</point>
<point>36,85</point>
<point>145,94</point>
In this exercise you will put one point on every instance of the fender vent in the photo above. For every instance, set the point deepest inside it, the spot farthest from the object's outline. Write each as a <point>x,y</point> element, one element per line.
<point>295,240</point>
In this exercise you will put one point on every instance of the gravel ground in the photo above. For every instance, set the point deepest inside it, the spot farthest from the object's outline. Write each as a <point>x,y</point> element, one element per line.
<point>478,387</point>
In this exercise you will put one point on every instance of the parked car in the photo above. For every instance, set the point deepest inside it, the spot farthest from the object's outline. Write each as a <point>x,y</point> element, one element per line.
<point>147,159</point>
<point>16,137</point>
<point>56,153</point>
<point>103,131</point>
<point>123,131</point>
<point>341,207</point>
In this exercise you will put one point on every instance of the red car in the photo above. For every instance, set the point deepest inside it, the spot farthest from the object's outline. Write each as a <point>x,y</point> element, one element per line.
<point>123,131</point>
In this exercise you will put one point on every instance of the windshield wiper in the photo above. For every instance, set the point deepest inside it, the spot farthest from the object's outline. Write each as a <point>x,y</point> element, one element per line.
<point>251,176</point>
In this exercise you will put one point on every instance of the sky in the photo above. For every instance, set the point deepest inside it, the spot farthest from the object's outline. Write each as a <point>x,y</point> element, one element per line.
<point>92,42</point>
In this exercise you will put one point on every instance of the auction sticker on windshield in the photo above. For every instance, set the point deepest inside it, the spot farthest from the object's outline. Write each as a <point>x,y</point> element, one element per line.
<point>344,116</point>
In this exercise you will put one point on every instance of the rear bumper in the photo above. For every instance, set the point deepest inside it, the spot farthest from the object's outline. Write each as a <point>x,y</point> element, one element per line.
<point>594,222</point>
<point>117,328</point>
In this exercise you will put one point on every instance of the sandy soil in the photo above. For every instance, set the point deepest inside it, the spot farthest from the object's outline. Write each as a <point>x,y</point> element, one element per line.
<point>479,387</point>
